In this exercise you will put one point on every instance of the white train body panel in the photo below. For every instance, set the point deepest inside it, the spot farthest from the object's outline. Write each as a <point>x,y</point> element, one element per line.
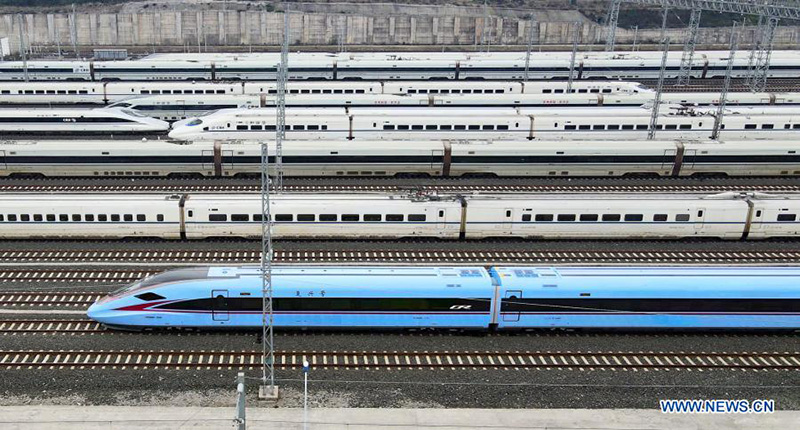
<point>322,216</point>
<point>628,216</point>
<point>776,217</point>
<point>70,121</point>
<point>130,70</point>
<point>89,216</point>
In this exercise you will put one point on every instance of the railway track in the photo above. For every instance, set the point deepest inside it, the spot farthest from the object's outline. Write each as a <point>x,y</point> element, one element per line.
<point>73,326</point>
<point>11,261</point>
<point>441,188</point>
<point>28,299</point>
<point>399,360</point>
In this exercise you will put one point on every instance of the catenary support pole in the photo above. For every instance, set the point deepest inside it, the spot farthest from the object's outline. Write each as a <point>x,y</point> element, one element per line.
<point>723,97</point>
<point>651,131</point>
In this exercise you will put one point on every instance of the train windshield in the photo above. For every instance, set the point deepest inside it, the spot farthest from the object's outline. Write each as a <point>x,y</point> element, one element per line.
<point>196,121</point>
<point>170,276</point>
<point>133,113</point>
<point>120,105</point>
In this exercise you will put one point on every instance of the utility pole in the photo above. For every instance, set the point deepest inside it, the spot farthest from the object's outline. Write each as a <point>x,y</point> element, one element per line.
<point>575,35</point>
<point>685,71</point>
<point>664,15</point>
<point>22,48</point>
<point>723,97</point>
<point>241,418</point>
<point>73,30</point>
<point>283,77</point>
<point>612,18</point>
<point>651,131</point>
<point>530,46</point>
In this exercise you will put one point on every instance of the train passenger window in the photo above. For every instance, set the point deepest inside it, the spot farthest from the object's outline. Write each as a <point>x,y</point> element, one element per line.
<point>241,127</point>
<point>127,217</point>
<point>627,126</point>
<point>570,127</point>
<point>434,91</point>
<point>682,217</point>
<point>487,127</point>
<point>149,296</point>
<point>38,217</point>
<point>584,127</point>
<point>787,126</point>
<point>547,91</point>
<point>220,91</point>
<point>410,91</point>
<point>51,91</point>
<point>394,217</point>
<point>611,217</point>
<point>51,217</point>
<point>114,217</point>
<point>767,126</point>
<point>89,217</point>
<point>159,218</point>
<point>402,127</point>
<point>326,91</point>
<point>328,217</point>
<point>350,217</point>
<point>12,217</point>
<point>25,217</point>
<point>416,217</point>
<point>749,126</point>
<point>372,217</point>
<point>76,217</point>
<point>269,127</point>
<point>659,127</point>
<point>566,217</point>
<point>217,217</point>
<point>641,127</point>
<point>187,91</point>
<point>430,127</point>
<point>634,217</point>
<point>306,217</point>
<point>449,127</point>
<point>272,92</point>
<point>588,217</point>
<point>459,127</point>
<point>582,90</point>
<point>671,127</point>
<point>360,91</point>
<point>477,91</point>
<point>313,127</point>
<point>612,127</point>
<point>598,127</point>
<point>558,91</point>
<point>474,127</point>
<point>145,92</point>
<point>337,91</point>
<point>6,92</point>
<point>416,127</point>
<point>348,91</point>
<point>298,91</point>
<point>256,127</point>
<point>72,92</point>
<point>594,90</point>
<point>456,91</point>
<point>2,218</point>
<point>240,217</point>
<point>685,127</point>
<point>544,217</point>
<point>284,217</point>
<point>787,217</point>
<point>502,127</point>
<point>795,126</point>
<point>445,91</point>
<point>141,217</point>
<point>526,217</point>
<point>316,91</point>
<point>298,127</point>
<point>660,217</point>
<point>257,218</point>
<point>607,90</point>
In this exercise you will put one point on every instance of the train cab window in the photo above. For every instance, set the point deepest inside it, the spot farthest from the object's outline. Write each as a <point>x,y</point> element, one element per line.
<point>544,217</point>
<point>565,217</point>
<point>241,127</point>
<point>328,217</point>
<point>749,126</point>
<point>682,217</point>
<point>685,127</point>
<point>660,217</point>
<point>217,217</point>
<point>787,217</point>
<point>634,217</point>
<point>89,217</point>
<point>627,126</point>
<point>284,217</point>
<point>416,217</point>
<point>25,217</point>
<point>149,296</point>
<point>584,127</point>
<point>641,127</point>
<point>671,127</point>
<point>612,127</point>
<point>76,217</point>
<point>394,217</point>
<point>570,127</point>
<point>431,127</point>
<point>526,217</point>
<point>767,126</point>
<point>402,127</point>
<point>372,217</point>
<point>306,217</point>
<point>474,127</point>
<point>141,217</point>
<point>38,217</point>
<point>159,218</point>
<point>611,217</point>
<point>588,217</point>
<point>417,127</point>
<point>240,217</point>
<point>51,217</point>
<point>351,217</point>
<point>450,127</point>
<point>459,127</point>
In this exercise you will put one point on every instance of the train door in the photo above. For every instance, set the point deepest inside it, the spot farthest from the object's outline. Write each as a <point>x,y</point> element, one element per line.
<point>437,157</point>
<point>688,158</point>
<point>508,217</point>
<point>700,219</point>
<point>219,305</point>
<point>668,162</point>
<point>3,160</point>
<point>227,159</point>
<point>509,302</point>
<point>208,159</point>
<point>180,109</point>
<point>441,219</point>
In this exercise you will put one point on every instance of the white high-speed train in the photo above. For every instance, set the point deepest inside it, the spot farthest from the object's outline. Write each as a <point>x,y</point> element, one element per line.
<point>541,216</point>
<point>564,123</point>
<point>394,66</point>
<point>49,93</point>
<point>171,108</point>
<point>101,121</point>
<point>388,158</point>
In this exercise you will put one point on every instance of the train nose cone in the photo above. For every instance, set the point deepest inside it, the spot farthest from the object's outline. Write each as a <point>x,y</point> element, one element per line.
<point>95,312</point>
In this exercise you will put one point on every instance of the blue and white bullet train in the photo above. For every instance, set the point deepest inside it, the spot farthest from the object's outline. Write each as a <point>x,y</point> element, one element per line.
<point>501,298</point>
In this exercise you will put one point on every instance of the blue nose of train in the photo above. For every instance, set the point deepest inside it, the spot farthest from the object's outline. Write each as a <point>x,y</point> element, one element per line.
<point>98,312</point>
